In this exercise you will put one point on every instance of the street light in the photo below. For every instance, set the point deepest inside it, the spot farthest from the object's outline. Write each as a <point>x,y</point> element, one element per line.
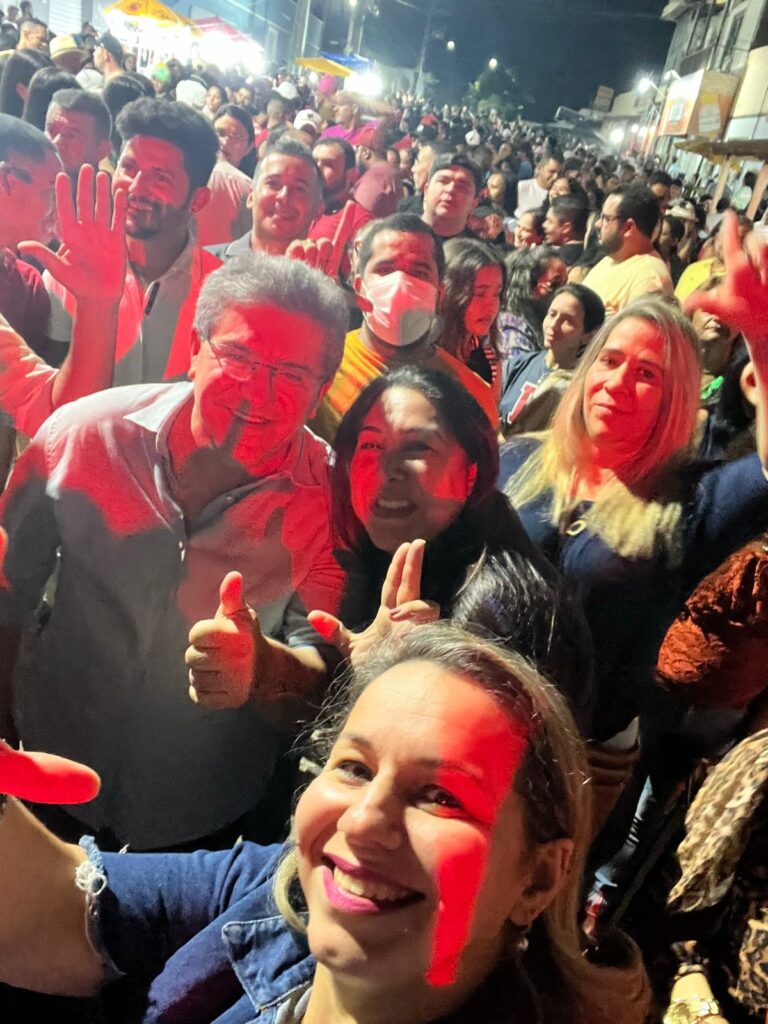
<point>493,63</point>
<point>645,85</point>
<point>450,45</point>
<point>617,136</point>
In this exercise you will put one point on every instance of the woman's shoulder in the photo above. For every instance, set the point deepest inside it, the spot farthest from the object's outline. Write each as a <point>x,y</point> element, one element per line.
<point>514,453</point>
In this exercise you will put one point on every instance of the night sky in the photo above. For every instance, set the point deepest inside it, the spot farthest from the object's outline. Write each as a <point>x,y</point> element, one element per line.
<point>562,49</point>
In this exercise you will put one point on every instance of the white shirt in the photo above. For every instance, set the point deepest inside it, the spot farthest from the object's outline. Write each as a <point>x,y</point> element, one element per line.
<point>530,196</point>
<point>102,677</point>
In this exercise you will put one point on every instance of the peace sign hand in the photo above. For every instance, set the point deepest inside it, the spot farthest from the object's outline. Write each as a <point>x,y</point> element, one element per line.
<point>91,259</point>
<point>401,607</point>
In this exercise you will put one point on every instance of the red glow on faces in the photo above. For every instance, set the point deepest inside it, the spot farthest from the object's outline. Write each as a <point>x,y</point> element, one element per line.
<point>411,841</point>
<point>409,477</point>
<point>254,419</point>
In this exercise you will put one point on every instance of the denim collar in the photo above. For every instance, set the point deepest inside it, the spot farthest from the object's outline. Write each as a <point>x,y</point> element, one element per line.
<point>269,958</point>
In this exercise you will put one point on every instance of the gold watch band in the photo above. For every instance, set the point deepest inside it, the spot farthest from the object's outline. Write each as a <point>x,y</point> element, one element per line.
<point>691,1009</point>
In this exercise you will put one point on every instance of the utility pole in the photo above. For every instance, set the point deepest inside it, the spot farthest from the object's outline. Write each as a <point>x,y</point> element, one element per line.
<point>424,43</point>
<point>354,42</point>
<point>300,29</point>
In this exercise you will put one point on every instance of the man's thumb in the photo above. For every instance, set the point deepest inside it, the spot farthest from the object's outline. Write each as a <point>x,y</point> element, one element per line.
<point>332,630</point>
<point>231,599</point>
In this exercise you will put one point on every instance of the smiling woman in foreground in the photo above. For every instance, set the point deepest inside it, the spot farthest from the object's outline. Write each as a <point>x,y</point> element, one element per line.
<point>433,875</point>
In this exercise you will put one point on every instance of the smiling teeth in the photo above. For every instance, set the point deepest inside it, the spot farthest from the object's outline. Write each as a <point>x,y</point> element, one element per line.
<point>394,505</point>
<point>369,890</point>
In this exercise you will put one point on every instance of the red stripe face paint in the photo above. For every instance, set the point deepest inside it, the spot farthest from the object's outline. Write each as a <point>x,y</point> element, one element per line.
<point>412,853</point>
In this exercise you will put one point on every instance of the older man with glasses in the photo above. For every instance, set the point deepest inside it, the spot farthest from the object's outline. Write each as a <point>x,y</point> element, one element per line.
<point>631,266</point>
<point>142,499</point>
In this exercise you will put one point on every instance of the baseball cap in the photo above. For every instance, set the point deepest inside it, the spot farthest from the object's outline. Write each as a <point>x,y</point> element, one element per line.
<point>472,138</point>
<point>288,91</point>
<point>192,92</point>
<point>371,135</point>
<point>112,45</point>
<point>307,119</point>
<point>683,211</point>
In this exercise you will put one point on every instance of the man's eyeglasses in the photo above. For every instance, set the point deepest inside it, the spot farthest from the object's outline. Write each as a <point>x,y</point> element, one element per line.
<point>241,366</point>
<point>610,216</point>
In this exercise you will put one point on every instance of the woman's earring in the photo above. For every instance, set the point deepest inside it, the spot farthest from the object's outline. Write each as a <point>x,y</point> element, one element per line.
<point>520,941</point>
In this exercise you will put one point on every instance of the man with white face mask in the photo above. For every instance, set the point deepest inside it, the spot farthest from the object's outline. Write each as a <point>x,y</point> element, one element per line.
<point>400,266</point>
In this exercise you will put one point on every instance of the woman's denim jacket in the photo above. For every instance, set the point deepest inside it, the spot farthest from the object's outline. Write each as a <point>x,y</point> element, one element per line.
<point>193,938</point>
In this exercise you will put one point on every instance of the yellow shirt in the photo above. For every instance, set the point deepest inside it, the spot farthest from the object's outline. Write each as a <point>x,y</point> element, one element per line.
<point>694,276</point>
<point>360,365</point>
<point>618,284</point>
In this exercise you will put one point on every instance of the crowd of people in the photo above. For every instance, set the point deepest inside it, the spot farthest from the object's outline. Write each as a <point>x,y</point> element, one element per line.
<point>399,458</point>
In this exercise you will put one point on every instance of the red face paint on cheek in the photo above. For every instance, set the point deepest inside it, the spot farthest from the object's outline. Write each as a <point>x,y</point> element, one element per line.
<point>466,872</point>
<point>364,480</point>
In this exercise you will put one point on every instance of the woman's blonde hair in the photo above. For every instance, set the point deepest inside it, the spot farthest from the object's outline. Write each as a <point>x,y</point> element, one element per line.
<point>551,781</point>
<point>639,513</point>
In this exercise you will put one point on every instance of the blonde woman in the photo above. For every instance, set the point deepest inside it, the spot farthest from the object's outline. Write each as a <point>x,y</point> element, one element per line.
<point>613,494</point>
<point>616,500</point>
<point>433,875</point>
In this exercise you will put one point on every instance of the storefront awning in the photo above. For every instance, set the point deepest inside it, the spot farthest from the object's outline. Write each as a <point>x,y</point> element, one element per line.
<point>323,66</point>
<point>698,104</point>
<point>720,152</point>
<point>151,9</point>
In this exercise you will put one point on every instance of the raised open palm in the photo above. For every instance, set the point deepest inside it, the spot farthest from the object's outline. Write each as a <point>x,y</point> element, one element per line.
<point>91,259</point>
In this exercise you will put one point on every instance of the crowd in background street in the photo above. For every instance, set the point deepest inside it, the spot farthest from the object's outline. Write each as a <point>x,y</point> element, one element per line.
<point>455,424</point>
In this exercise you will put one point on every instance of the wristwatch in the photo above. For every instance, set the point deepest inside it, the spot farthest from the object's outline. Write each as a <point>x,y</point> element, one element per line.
<point>690,1010</point>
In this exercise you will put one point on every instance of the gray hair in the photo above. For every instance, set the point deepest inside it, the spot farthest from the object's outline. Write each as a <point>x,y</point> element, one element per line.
<point>256,279</point>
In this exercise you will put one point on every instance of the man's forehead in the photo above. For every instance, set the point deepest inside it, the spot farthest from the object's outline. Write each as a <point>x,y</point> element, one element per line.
<point>266,325</point>
<point>49,166</point>
<point>73,117</point>
<point>327,151</point>
<point>401,243</point>
<point>159,151</point>
<point>455,174</point>
<point>282,165</point>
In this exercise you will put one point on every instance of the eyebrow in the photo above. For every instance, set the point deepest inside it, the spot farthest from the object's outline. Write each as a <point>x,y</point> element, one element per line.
<point>435,431</point>
<point>648,362</point>
<point>425,762</point>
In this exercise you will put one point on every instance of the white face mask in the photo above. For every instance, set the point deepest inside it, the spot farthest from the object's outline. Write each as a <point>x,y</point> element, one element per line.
<point>403,307</point>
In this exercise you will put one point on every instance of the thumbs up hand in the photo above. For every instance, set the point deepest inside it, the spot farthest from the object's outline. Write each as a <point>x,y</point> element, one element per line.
<point>224,650</point>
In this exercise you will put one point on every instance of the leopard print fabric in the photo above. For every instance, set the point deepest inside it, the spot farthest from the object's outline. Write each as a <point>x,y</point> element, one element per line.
<point>719,824</point>
<point>724,862</point>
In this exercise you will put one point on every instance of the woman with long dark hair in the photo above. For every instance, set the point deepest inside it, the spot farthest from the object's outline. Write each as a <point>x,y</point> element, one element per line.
<point>416,467</point>
<point>534,382</point>
<point>473,286</point>
<point>533,274</point>
<point>237,138</point>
